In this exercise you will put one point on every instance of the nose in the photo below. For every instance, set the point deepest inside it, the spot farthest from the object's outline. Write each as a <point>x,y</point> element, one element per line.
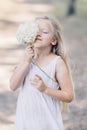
<point>39,33</point>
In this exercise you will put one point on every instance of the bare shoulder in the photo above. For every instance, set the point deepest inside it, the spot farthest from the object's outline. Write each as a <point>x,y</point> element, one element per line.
<point>61,66</point>
<point>60,62</point>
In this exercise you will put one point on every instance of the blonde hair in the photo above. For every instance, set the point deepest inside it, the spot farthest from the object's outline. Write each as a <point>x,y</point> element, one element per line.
<point>59,49</point>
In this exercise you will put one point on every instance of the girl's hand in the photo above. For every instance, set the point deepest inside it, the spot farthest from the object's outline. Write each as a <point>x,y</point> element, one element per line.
<point>38,83</point>
<point>29,53</point>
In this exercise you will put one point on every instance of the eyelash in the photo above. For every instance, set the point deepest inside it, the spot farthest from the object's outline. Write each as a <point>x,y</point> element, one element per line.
<point>45,32</point>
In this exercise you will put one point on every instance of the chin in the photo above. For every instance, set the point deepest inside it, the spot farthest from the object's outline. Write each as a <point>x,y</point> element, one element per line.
<point>37,44</point>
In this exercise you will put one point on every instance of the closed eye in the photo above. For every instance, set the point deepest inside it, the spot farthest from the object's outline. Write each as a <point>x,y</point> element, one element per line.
<point>44,31</point>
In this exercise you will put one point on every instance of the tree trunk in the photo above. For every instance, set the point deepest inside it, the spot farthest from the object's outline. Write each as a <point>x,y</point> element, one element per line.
<point>71,8</point>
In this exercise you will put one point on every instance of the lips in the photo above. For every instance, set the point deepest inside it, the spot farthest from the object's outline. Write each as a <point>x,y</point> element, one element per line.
<point>39,39</point>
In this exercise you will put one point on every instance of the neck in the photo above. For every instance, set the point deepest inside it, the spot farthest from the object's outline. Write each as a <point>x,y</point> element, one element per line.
<point>42,52</point>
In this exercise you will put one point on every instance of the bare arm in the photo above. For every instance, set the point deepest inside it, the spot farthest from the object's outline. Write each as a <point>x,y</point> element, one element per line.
<point>18,76</point>
<point>21,70</point>
<point>63,78</point>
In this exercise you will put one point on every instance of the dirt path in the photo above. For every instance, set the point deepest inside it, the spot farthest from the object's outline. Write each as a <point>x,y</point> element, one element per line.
<point>10,51</point>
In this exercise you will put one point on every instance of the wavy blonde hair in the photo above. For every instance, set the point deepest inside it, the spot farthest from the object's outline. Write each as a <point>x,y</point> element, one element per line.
<point>59,49</point>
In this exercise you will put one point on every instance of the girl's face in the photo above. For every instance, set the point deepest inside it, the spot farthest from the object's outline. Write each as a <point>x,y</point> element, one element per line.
<point>45,34</point>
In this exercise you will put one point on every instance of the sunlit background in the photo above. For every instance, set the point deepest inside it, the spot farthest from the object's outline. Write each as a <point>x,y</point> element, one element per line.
<point>72,15</point>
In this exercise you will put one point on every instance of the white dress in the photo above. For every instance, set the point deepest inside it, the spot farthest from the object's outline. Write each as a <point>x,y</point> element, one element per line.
<point>37,110</point>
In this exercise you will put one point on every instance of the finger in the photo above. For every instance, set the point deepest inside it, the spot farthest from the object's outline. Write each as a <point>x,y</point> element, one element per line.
<point>29,54</point>
<point>38,77</point>
<point>29,49</point>
<point>32,82</point>
<point>30,46</point>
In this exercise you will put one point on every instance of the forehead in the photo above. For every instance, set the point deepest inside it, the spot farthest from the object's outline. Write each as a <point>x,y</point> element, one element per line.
<point>44,23</point>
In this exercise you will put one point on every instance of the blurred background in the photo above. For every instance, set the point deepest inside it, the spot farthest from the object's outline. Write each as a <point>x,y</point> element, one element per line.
<point>72,15</point>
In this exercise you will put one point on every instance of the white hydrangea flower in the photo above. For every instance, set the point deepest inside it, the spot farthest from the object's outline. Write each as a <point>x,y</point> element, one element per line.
<point>27,32</point>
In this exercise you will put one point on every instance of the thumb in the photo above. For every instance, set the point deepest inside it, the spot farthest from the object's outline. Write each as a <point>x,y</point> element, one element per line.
<point>37,76</point>
<point>30,45</point>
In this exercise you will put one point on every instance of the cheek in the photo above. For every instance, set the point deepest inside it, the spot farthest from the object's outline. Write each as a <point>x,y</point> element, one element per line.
<point>47,37</point>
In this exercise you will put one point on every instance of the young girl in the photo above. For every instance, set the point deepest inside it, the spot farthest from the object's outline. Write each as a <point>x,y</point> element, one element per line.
<point>40,94</point>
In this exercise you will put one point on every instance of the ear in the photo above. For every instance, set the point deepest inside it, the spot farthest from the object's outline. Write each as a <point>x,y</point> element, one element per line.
<point>54,41</point>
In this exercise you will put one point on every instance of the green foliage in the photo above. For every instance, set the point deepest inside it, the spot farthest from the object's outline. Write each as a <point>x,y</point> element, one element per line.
<point>82,8</point>
<point>61,7</point>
